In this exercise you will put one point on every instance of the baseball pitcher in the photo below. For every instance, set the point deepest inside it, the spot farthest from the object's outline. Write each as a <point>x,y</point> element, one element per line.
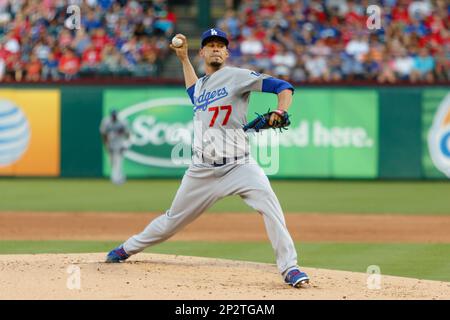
<point>221,165</point>
<point>115,136</point>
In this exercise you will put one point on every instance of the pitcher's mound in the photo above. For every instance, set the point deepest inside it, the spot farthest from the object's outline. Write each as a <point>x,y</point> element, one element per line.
<point>155,276</point>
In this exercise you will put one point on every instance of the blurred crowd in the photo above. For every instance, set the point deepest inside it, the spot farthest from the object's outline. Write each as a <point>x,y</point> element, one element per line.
<point>329,40</point>
<point>298,40</point>
<point>40,40</point>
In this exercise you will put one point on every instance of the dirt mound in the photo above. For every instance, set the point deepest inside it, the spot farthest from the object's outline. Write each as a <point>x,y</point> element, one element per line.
<point>153,276</point>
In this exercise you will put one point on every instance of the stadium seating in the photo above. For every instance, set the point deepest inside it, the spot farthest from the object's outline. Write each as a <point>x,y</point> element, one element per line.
<point>298,40</point>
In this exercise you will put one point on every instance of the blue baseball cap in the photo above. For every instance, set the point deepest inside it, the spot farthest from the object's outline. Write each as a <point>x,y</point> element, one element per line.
<point>214,33</point>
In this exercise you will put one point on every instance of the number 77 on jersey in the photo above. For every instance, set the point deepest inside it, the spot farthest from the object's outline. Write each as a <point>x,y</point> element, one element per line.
<point>220,109</point>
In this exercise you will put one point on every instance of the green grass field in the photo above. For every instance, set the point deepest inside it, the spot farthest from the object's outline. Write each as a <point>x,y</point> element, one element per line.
<point>423,261</point>
<point>426,261</point>
<point>295,196</point>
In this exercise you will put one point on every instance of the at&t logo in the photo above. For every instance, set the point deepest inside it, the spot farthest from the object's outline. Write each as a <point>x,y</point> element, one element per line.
<point>14,133</point>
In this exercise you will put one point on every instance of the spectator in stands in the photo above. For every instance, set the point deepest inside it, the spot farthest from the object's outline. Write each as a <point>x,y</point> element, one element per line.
<point>320,48</point>
<point>442,69</point>
<point>65,38</point>
<point>91,21</point>
<point>90,60</point>
<point>400,13</point>
<point>42,50</point>
<point>298,74</point>
<point>419,9</point>
<point>416,26</point>
<point>13,65</point>
<point>82,41</point>
<point>387,73</point>
<point>357,47</point>
<point>234,50</point>
<point>230,23</point>
<point>165,21</point>
<point>33,69</point>
<point>111,61</point>
<point>317,68</point>
<point>112,17</point>
<point>50,68</point>
<point>251,46</point>
<point>69,65</point>
<point>403,65</point>
<point>335,70</point>
<point>99,39</point>
<point>133,11</point>
<point>12,44</point>
<point>283,61</point>
<point>423,67</point>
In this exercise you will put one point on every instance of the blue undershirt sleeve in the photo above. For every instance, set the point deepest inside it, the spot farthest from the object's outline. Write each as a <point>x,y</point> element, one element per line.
<point>274,85</point>
<point>190,92</point>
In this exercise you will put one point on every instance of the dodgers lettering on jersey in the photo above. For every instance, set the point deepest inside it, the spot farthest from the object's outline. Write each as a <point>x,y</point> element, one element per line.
<point>220,110</point>
<point>209,97</point>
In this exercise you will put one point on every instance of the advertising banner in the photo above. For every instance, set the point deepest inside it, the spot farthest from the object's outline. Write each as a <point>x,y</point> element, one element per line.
<point>333,132</point>
<point>436,133</point>
<point>29,132</point>
<point>158,120</point>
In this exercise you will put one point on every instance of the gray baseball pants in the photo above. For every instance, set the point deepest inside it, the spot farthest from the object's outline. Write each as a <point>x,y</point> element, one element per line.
<point>201,187</point>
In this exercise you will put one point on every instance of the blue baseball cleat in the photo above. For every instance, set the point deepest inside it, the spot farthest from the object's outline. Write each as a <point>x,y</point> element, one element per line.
<point>296,278</point>
<point>117,255</point>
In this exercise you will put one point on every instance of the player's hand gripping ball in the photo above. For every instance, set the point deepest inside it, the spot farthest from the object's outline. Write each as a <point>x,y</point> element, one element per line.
<point>177,42</point>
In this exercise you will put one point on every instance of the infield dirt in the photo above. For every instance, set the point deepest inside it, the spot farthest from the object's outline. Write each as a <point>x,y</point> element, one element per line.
<point>227,227</point>
<point>153,276</point>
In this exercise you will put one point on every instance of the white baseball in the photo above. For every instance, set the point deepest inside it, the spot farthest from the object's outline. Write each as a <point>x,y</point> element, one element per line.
<point>177,42</point>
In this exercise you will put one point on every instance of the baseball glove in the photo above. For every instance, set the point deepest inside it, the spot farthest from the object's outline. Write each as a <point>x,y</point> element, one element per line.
<point>262,121</point>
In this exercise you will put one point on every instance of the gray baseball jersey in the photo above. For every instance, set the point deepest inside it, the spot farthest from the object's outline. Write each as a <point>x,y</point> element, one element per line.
<point>220,106</point>
<point>220,110</point>
<point>117,138</point>
<point>116,133</point>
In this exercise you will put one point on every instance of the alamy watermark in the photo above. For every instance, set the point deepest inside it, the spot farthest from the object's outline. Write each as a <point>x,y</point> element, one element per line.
<point>74,279</point>
<point>373,22</point>
<point>373,277</point>
<point>74,19</point>
<point>216,145</point>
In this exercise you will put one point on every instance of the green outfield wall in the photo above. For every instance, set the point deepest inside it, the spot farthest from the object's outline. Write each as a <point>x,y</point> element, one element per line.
<point>337,133</point>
